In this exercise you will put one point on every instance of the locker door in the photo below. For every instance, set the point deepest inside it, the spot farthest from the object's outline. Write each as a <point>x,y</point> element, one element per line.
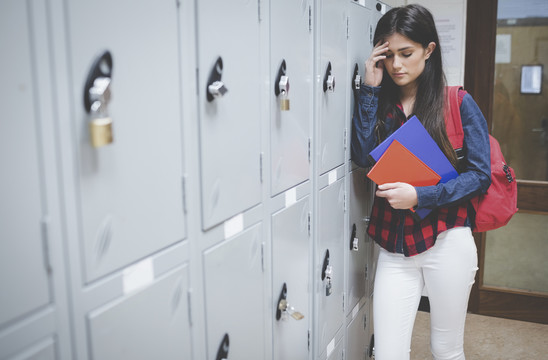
<point>330,254</point>
<point>290,254</point>
<point>23,274</point>
<point>149,324</point>
<point>291,44</point>
<point>332,90</point>
<point>130,191</point>
<point>357,335</point>
<point>359,48</point>
<point>45,350</point>
<point>230,149</point>
<point>358,244</point>
<point>234,297</point>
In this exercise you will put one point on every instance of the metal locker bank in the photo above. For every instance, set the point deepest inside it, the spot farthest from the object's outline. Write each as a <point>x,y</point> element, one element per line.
<point>177,181</point>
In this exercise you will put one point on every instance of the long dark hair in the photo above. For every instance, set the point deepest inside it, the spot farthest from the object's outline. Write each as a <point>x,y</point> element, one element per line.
<point>417,24</point>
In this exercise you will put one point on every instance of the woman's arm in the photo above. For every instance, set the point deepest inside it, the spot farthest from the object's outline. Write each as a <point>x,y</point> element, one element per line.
<point>363,124</point>
<point>476,176</point>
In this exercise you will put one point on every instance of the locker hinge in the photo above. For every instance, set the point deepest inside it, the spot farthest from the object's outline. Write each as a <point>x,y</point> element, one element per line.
<point>262,256</point>
<point>345,138</point>
<point>309,17</point>
<point>183,180</point>
<point>259,9</point>
<point>189,298</point>
<point>344,202</point>
<point>347,27</point>
<point>343,355</point>
<point>261,167</point>
<point>309,151</point>
<point>178,3</point>
<point>197,81</point>
<point>309,227</point>
<point>44,227</point>
<point>343,296</point>
<point>308,340</point>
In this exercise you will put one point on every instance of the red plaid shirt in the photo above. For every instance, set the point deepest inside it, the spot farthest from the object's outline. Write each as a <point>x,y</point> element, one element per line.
<point>398,232</point>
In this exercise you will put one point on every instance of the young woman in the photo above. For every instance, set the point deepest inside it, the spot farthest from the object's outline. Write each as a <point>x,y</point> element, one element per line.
<point>404,77</point>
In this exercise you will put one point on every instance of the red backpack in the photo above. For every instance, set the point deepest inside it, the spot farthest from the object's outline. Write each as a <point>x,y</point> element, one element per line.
<point>494,208</point>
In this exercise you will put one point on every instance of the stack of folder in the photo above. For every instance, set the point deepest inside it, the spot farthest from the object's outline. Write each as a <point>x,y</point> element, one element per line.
<point>410,155</point>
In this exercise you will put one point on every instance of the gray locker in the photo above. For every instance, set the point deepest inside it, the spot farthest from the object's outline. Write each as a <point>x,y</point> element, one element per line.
<point>234,297</point>
<point>330,262</point>
<point>130,192</point>
<point>356,346</point>
<point>359,49</point>
<point>291,279</point>
<point>358,245</point>
<point>23,207</point>
<point>230,148</point>
<point>331,71</point>
<point>151,323</point>
<point>44,350</point>
<point>291,56</point>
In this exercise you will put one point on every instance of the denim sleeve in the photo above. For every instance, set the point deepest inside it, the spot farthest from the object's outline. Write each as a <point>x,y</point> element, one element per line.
<point>476,176</point>
<point>363,124</point>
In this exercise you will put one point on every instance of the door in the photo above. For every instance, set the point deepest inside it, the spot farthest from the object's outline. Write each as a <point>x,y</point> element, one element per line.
<point>130,192</point>
<point>512,281</point>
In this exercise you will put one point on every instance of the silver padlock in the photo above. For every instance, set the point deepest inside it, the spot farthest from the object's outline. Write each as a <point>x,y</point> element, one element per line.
<point>330,83</point>
<point>355,243</point>
<point>217,89</point>
<point>357,82</point>
<point>328,276</point>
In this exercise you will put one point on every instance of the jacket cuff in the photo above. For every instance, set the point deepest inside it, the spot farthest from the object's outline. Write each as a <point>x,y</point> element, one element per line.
<point>426,197</point>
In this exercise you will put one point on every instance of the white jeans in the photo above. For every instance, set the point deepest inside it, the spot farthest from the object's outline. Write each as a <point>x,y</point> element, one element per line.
<point>447,270</point>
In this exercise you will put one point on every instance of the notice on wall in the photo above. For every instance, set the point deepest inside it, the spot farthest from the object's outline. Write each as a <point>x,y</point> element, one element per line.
<point>450,18</point>
<point>503,54</point>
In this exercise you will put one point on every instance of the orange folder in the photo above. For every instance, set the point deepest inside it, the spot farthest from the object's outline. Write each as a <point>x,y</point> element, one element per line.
<point>398,164</point>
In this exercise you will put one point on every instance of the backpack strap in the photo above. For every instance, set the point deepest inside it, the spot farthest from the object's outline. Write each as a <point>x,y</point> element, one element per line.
<point>453,123</point>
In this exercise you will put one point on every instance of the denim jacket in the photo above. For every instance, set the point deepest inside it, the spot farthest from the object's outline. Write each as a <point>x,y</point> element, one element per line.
<point>473,180</point>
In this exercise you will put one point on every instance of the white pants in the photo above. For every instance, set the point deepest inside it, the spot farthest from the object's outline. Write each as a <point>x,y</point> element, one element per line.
<point>447,270</point>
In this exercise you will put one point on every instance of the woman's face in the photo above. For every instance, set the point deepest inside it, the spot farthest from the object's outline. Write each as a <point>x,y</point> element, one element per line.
<point>405,59</point>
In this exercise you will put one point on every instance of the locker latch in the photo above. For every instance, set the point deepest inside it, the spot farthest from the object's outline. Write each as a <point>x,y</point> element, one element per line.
<point>327,274</point>
<point>356,79</point>
<point>328,80</point>
<point>222,353</point>
<point>215,87</point>
<point>285,309</point>
<point>354,240</point>
<point>281,86</point>
<point>96,98</point>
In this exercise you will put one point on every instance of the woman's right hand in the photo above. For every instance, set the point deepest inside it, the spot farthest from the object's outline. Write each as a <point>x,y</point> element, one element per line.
<point>374,66</point>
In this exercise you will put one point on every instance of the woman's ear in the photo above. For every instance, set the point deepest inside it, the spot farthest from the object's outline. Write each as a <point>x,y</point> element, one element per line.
<point>430,49</point>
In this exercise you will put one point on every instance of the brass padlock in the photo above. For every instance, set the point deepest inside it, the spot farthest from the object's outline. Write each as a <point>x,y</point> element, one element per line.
<point>100,131</point>
<point>284,102</point>
<point>284,91</point>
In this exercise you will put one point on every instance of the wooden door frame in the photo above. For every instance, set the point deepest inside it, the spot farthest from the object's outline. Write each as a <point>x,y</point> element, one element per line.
<point>481,28</point>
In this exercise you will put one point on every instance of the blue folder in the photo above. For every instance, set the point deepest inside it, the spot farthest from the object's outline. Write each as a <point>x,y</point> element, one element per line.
<point>417,140</point>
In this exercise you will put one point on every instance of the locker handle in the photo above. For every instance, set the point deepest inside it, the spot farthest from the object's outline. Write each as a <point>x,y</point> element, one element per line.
<point>283,296</point>
<point>354,239</point>
<point>99,76</point>
<point>215,87</point>
<point>325,264</point>
<point>356,79</point>
<point>222,353</point>
<point>284,308</point>
<point>328,79</point>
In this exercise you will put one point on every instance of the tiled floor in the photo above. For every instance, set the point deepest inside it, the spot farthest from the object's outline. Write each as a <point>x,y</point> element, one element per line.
<point>488,338</point>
